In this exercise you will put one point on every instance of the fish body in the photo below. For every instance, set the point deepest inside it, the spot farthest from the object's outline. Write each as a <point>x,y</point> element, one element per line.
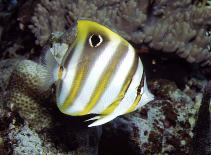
<point>100,73</point>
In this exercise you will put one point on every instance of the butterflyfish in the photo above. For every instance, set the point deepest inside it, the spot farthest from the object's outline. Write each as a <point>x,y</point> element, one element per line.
<point>99,73</point>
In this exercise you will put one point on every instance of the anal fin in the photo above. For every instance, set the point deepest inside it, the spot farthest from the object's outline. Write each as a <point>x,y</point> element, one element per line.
<point>93,118</point>
<point>101,119</point>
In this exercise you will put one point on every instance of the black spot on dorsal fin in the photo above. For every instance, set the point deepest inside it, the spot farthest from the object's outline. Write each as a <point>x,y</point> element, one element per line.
<point>141,83</point>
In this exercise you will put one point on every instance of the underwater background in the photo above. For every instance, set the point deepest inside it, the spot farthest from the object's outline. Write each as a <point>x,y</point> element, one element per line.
<point>173,39</point>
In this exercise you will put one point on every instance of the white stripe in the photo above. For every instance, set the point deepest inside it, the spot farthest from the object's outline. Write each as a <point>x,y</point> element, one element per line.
<point>112,91</point>
<point>93,78</point>
<point>146,97</point>
<point>70,74</point>
<point>131,94</point>
<point>127,101</point>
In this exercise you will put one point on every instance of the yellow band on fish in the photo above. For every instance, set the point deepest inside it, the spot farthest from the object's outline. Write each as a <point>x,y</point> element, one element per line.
<point>102,73</point>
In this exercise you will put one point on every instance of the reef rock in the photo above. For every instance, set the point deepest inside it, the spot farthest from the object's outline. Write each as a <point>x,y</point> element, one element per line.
<point>30,122</point>
<point>162,126</point>
<point>179,27</point>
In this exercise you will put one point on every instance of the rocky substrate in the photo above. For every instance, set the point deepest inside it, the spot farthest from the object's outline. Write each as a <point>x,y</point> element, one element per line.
<point>164,126</point>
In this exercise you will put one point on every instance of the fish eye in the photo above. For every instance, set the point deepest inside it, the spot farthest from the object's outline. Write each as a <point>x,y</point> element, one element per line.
<point>95,40</point>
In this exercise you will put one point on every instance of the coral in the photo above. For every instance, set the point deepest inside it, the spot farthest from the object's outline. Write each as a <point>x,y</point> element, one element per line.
<point>170,91</point>
<point>17,137</point>
<point>105,12</point>
<point>174,27</point>
<point>181,31</point>
<point>23,92</point>
<point>164,125</point>
<point>50,22</point>
<point>30,123</point>
<point>24,141</point>
<point>16,40</point>
<point>6,68</point>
